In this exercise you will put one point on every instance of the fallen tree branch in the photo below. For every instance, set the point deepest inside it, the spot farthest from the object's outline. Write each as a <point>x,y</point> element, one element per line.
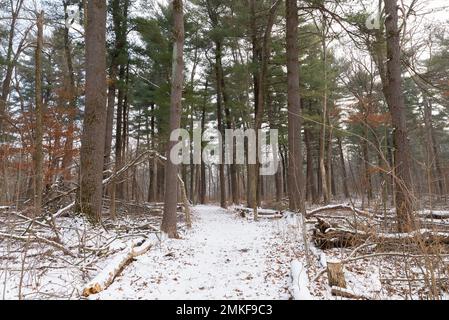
<point>340,207</point>
<point>63,210</point>
<point>36,238</point>
<point>136,161</point>
<point>105,278</point>
<point>31,220</point>
<point>139,159</point>
<point>436,215</point>
<point>327,236</point>
<point>62,195</point>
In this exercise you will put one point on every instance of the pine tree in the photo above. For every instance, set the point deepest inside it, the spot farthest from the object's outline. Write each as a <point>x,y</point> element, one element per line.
<point>171,170</point>
<point>89,199</point>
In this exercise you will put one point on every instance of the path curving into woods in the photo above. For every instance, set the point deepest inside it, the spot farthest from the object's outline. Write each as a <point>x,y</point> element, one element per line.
<point>223,257</point>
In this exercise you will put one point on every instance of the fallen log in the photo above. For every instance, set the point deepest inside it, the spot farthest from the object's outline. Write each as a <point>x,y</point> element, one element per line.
<point>262,213</point>
<point>339,207</point>
<point>337,239</point>
<point>437,215</point>
<point>300,281</point>
<point>328,236</point>
<point>345,293</point>
<point>422,236</point>
<point>270,216</point>
<point>105,278</point>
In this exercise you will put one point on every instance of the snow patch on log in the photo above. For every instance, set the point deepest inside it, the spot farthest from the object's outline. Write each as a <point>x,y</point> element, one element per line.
<point>300,282</point>
<point>63,210</point>
<point>435,214</point>
<point>105,278</point>
<point>411,235</point>
<point>337,207</point>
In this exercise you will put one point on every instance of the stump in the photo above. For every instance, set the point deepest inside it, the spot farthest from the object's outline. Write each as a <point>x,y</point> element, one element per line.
<point>335,274</point>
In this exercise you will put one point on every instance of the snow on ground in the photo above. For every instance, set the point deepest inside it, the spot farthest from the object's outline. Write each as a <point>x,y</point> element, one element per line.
<point>34,270</point>
<point>223,257</point>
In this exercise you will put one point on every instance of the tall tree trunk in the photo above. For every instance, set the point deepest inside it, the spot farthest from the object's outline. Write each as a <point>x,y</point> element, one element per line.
<point>390,159</point>
<point>278,183</point>
<point>214,17</point>
<point>112,83</point>
<point>283,154</point>
<point>229,122</point>
<point>10,60</point>
<point>124,186</point>
<point>192,193</point>
<point>432,150</point>
<point>68,146</point>
<point>278,175</point>
<point>120,17</point>
<point>311,185</point>
<point>366,165</point>
<point>117,66</point>
<point>219,88</point>
<point>125,134</point>
<point>221,167</point>
<point>202,188</point>
<point>343,168</point>
<point>110,114</point>
<point>39,149</point>
<point>332,178</point>
<point>169,221</point>
<point>395,100</point>
<point>329,171</point>
<point>261,55</point>
<point>150,165</point>
<point>154,191</point>
<point>295,157</point>
<point>89,200</point>
<point>252,169</point>
<point>324,181</point>
<point>119,132</point>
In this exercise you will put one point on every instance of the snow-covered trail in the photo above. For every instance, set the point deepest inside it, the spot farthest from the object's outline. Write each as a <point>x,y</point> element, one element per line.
<point>223,257</point>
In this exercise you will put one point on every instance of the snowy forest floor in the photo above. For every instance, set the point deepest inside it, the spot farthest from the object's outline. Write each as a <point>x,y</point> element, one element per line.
<point>222,257</point>
<point>225,255</point>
